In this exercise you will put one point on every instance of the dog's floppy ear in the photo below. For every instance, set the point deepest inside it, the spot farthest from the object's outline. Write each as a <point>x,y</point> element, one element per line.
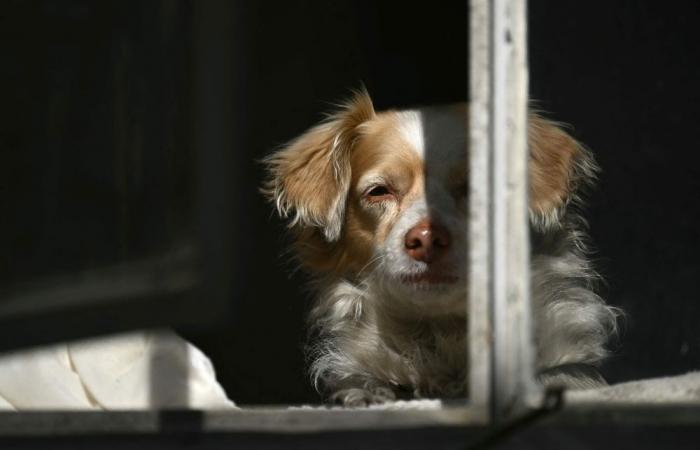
<point>308,180</point>
<point>558,167</point>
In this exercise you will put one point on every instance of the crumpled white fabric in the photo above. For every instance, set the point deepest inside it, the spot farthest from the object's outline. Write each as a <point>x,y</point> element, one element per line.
<point>142,370</point>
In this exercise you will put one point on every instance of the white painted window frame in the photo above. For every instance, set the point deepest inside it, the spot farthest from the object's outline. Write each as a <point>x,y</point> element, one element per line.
<point>501,335</point>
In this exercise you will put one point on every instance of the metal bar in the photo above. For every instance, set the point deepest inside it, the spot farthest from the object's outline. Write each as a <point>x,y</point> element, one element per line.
<point>479,298</point>
<point>513,331</point>
<point>268,420</point>
<point>499,227</point>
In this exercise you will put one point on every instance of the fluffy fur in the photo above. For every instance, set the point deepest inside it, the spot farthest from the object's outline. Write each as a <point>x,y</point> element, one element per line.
<point>377,204</point>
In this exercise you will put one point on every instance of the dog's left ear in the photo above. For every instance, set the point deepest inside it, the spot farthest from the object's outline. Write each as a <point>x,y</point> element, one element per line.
<point>309,179</point>
<point>558,167</point>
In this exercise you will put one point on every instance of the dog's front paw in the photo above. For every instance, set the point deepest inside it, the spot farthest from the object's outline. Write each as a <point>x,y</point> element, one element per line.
<point>357,397</point>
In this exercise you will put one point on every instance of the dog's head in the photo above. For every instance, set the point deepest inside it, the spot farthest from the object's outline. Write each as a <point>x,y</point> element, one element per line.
<point>382,197</point>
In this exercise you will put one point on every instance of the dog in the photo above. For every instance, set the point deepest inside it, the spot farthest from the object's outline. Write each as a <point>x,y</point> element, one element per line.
<point>377,204</point>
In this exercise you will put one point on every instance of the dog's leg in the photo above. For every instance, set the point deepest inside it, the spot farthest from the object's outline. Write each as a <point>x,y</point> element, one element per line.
<point>358,393</point>
<point>358,397</point>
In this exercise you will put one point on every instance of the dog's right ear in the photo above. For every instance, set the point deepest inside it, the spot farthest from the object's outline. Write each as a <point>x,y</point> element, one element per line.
<point>558,167</point>
<point>308,180</point>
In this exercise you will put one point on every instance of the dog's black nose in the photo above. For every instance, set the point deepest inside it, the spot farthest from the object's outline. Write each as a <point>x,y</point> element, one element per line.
<point>427,241</point>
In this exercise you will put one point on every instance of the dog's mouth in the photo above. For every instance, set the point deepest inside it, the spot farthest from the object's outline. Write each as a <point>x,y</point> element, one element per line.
<point>428,279</point>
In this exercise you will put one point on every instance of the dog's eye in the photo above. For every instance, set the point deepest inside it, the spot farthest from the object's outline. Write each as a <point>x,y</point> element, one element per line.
<point>378,193</point>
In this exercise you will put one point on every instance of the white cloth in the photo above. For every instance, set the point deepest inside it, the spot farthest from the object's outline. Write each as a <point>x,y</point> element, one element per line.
<point>151,369</point>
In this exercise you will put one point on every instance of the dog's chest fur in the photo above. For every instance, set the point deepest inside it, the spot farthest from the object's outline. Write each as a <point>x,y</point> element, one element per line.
<point>359,340</point>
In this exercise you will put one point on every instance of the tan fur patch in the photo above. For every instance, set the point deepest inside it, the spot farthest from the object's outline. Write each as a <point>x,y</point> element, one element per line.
<point>383,151</point>
<point>553,155</point>
<point>379,148</point>
<point>308,177</point>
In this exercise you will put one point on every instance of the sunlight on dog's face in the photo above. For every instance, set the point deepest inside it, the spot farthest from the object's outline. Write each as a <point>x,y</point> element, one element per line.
<point>407,202</point>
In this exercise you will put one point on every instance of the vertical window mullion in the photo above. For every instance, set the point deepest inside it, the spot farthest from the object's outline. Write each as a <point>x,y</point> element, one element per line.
<point>501,376</point>
<point>479,233</point>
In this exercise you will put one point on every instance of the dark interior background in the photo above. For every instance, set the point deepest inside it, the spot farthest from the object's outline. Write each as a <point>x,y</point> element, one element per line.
<point>624,74</point>
<point>95,125</point>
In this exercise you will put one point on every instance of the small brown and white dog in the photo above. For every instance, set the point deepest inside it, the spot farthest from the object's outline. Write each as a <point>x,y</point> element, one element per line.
<point>378,207</point>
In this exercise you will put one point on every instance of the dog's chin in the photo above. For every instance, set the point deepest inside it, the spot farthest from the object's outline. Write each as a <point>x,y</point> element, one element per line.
<point>430,290</point>
<point>428,281</point>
